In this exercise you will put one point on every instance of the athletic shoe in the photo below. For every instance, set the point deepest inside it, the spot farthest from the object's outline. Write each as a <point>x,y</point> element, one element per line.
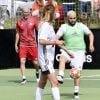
<point>37,76</point>
<point>60,79</point>
<point>23,81</point>
<point>76,95</point>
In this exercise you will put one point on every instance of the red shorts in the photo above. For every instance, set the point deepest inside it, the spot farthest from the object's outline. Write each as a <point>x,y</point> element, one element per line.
<point>28,52</point>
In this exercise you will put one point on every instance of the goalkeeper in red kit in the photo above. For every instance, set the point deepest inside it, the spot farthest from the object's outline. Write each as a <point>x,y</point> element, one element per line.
<point>25,43</point>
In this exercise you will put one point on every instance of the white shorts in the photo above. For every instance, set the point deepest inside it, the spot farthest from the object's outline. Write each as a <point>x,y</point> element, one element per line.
<point>77,61</point>
<point>48,66</point>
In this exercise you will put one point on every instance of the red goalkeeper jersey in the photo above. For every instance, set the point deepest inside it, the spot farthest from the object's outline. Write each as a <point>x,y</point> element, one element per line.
<point>26,30</point>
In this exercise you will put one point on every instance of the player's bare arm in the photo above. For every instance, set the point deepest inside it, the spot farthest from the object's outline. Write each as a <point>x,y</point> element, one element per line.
<point>51,42</point>
<point>91,45</point>
<point>66,50</point>
<point>63,47</point>
<point>16,42</point>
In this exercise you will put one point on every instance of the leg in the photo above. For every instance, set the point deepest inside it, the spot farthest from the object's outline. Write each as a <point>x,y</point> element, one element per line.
<point>22,67</point>
<point>62,63</point>
<point>89,13</point>
<point>76,87</point>
<point>82,19</point>
<point>36,65</point>
<point>41,86</point>
<point>54,84</point>
<point>37,70</point>
<point>33,55</point>
<point>88,20</point>
<point>77,62</point>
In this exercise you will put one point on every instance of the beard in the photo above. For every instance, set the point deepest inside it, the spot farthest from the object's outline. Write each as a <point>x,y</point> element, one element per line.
<point>72,23</point>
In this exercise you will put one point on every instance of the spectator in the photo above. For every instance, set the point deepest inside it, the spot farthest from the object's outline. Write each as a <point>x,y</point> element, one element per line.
<point>3,12</point>
<point>36,8</point>
<point>96,8</point>
<point>68,5</point>
<point>54,3</point>
<point>85,11</point>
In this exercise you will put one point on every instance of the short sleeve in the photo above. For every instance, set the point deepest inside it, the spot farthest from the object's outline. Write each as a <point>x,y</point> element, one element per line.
<point>86,30</point>
<point>43,33</point>
<point>60,31</point>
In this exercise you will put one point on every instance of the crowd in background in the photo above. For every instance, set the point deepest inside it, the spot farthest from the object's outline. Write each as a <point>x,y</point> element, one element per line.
<point>88,10</point>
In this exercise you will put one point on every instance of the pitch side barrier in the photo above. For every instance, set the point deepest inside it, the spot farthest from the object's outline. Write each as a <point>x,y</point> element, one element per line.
<point>9,58</point>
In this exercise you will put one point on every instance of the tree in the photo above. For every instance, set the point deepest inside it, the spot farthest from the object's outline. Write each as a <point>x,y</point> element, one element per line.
<point>59,1</point>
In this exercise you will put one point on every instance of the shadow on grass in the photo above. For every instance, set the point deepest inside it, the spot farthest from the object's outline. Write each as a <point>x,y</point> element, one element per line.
<point>19,81</point>
<point>67,95</point>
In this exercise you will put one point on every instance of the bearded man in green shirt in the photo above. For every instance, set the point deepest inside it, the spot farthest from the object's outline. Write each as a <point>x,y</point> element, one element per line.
<point>73,35</point>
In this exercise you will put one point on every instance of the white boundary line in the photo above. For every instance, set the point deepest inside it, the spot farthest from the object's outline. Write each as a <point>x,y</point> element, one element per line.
<point>85,77</point>
<point>90,76</point>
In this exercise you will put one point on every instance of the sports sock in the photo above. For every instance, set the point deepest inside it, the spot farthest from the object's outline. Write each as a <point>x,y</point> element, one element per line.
<point>39,93</point>
<point>37,74</point>
<point>24,77</point>
<point>76,89</point>
<point>56,94</point>
<point>61,73</point>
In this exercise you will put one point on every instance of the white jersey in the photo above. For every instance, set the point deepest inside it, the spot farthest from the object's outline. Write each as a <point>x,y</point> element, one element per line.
<point>46,53</point>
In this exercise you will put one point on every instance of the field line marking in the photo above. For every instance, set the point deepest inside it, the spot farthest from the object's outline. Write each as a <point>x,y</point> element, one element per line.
<point>85,77</point>
<point>90,76</point>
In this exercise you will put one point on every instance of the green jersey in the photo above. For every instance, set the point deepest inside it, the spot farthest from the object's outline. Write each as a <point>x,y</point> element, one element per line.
<point>74,37</point>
